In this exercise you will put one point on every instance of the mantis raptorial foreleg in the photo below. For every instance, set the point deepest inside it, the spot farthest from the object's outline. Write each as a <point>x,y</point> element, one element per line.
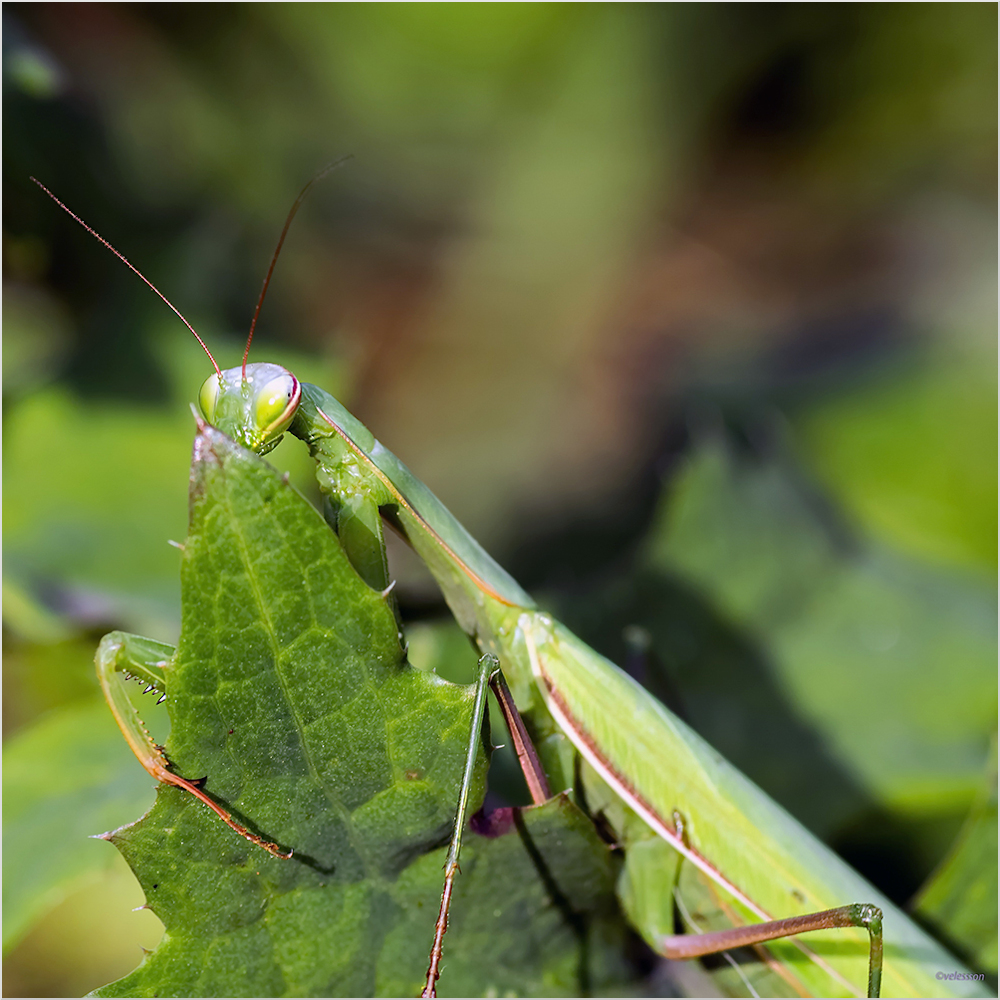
<point>359,527</point>
<point>121,657</point>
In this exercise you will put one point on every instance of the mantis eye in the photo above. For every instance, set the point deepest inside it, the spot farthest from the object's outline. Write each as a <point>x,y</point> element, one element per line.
<point>275,405</point>
<point>208,398</point>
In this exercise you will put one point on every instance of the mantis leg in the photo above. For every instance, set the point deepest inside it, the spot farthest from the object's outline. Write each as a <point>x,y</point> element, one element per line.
<point>686,946</point>
<point>121,657</point>
<point>489,675</point>
<point>488,665</point>
<point>527,755</point>
<point>359,527</point>
<point>681,946</point>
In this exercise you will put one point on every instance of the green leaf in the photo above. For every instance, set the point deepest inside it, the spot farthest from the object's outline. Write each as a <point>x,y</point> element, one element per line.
<point>291,692</point>
<point>912,456</point>
<point>534,913</point>
<point>859,638</point>
<point>960,899</point>
<point>67,778</point>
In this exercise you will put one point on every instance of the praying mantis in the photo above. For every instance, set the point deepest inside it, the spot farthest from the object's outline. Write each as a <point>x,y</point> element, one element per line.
<point>690,824</point>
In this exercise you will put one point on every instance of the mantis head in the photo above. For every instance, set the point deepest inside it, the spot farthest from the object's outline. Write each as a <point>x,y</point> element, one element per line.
<point>253,405</point>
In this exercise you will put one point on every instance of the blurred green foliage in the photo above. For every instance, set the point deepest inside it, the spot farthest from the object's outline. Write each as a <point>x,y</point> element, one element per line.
<point>846,628</point>
<point>570,234</point>
<point>960,900</point>
<point>65,779</point>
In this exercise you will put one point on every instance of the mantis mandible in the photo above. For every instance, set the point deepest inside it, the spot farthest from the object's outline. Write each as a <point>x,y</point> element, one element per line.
<point>690,824</point>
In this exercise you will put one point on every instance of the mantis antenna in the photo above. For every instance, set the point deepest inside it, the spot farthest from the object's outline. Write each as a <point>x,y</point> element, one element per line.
<point>129,264</point>
<point>281,240</point>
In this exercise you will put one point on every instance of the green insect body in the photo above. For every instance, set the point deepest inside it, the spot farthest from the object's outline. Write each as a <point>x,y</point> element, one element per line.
<point>697,835</point>
<point>665,792</point>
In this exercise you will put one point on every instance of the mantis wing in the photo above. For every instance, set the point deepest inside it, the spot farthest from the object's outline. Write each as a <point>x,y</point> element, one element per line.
<point>739,839</point>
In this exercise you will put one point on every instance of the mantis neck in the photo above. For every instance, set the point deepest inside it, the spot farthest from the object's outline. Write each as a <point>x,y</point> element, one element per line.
<point>350,462</point>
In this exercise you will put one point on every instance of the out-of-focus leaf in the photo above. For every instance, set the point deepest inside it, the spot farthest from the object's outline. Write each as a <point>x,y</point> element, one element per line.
<point>291,692</point>
<point>960,899</point>
<point>98,933</point>
<point>892,662</point>
<point>38,677</point>
<point>811,659</point>
<point>34,72</point>
<point>101,556</point>
<point>28,618</point>
<point>913,457</point>
<point>67,778</point>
